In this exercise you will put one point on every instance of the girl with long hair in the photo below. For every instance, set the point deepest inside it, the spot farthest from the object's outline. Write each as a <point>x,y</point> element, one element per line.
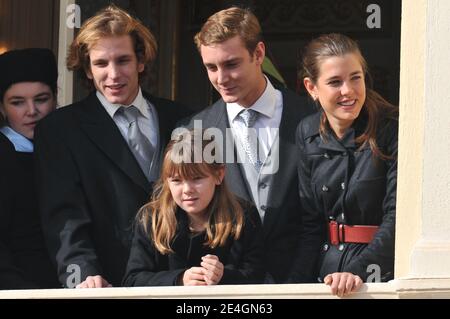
<point>194,231</point>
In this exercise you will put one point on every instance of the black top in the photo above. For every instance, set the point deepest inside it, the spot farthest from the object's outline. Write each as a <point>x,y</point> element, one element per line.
<point>242,258</point>
<point>91,186</point>
<point>24,261</point>
<point>339,181</point>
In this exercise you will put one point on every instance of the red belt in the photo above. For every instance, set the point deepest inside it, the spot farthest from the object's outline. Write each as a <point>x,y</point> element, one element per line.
<point>340,233</point>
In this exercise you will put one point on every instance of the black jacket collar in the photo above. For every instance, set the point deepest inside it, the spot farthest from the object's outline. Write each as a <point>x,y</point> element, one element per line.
<point>330,141</point>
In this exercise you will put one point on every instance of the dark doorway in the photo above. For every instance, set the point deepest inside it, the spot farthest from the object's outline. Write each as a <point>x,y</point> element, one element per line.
<point>287,27</point>
<point>29,23</point>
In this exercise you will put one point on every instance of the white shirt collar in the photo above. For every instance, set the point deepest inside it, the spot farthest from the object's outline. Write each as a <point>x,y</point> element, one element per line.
<point>139,102</point>
<point>20,142</point>
<point>265,104</point>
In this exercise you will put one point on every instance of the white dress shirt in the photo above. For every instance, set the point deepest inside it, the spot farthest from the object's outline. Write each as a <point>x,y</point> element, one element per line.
<point>147,122</point>
<point>270,107</point>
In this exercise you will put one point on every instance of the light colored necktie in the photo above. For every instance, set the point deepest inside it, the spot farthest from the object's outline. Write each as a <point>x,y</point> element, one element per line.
<point>140,146</point>
<point>249,138</point>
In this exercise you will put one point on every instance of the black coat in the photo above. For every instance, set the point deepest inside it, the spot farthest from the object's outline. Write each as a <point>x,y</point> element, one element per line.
<point>338,181</point>
<point>283,213</point>
<point>242,258</point>
<point>91,186</point>
<point>24,260</point>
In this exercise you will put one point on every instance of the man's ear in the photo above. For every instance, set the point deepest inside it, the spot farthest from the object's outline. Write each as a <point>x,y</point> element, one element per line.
<point>220,176</point>
<point>141,67</point>
<point>311,88</point>
<point>88,72</point>
<point>260,52</point>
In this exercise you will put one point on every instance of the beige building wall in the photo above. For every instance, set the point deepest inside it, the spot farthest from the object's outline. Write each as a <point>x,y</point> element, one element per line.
<point>66,35</point>
<point>411,132</point>
<point>423,203</point>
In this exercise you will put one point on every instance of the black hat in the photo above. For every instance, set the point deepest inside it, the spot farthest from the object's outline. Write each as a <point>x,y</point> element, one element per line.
<point>27,65</point>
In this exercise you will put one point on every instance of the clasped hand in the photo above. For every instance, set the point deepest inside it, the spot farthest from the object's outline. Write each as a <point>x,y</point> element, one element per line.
<point>210,272</point>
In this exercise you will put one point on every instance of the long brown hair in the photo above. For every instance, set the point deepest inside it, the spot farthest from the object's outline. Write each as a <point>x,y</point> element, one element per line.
<point>375,107</point>
<point>226,215</point>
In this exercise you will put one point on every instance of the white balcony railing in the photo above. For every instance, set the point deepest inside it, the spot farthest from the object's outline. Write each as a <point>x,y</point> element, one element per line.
<point>396,289</point>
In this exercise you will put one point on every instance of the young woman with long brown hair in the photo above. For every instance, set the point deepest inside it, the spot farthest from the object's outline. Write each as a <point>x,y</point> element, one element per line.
<point>347,170</point>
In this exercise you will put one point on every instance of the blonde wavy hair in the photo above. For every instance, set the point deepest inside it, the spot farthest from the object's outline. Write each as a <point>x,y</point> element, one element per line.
<point>226,216</point>
<point>110,22</point>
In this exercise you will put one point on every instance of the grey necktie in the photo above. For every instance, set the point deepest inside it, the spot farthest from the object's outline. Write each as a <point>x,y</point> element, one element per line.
<point>140,145</point>
<point>250,143</point>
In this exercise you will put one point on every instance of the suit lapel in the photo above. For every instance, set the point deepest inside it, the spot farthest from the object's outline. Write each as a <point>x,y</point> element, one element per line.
<point>103,132</point>
<point>233,173</point>
<point>287,160</point>
<point>163,119</point>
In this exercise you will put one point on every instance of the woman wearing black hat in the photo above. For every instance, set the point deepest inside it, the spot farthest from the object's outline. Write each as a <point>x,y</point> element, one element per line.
<point>27,94</point>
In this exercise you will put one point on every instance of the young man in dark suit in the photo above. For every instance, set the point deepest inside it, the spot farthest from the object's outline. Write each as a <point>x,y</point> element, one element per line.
<point>97,158</point>
<point>232,51</point>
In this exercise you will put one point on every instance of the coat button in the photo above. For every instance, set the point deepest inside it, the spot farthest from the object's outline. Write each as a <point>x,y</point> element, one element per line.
<point>325,188</point>
<point>263,207</point>
<point>341,247</point>
<point>325,247</point>
<point>263,186</point>
<point>343,186</point>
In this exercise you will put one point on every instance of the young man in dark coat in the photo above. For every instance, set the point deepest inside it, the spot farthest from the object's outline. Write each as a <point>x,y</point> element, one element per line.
<point>97,158</point>
<point>232,51</point>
